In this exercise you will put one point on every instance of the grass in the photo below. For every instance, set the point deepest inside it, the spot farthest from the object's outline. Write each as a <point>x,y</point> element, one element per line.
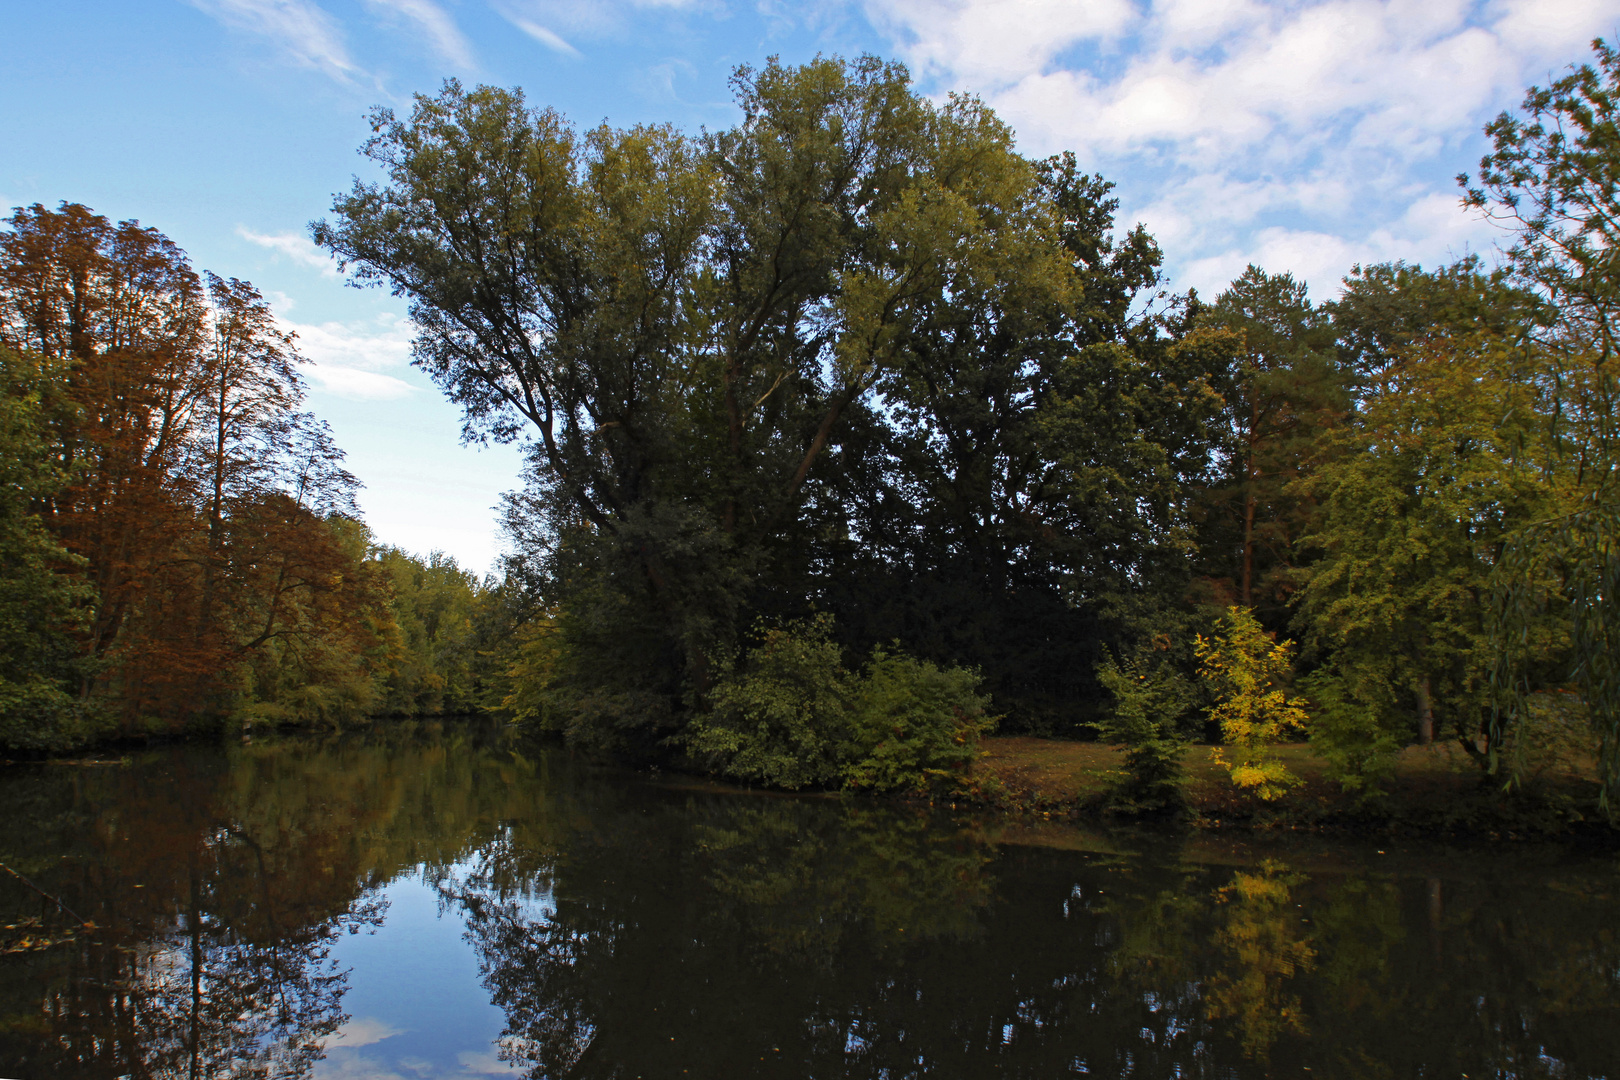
<point>1436,788</point>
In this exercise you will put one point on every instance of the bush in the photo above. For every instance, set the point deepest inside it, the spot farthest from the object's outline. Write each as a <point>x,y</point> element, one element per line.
<point>1356,735</point>
<point>914,725</point>
<point>1149,702</point>
<point>784,720</point>
<point>792,716</point>
<point>1245,666</point>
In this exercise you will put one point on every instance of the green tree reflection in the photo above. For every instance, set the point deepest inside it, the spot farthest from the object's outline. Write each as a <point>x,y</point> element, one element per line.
<point>629,929</point>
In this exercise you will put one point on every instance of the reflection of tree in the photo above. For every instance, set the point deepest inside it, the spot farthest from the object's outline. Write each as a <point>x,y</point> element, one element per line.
<point>216,885</point>
<point>628,930</point>
<point>749,937</point>
<point>898,877</point>
<point>222,992</point>
<point>1260,946</point>
<point>768,909</point>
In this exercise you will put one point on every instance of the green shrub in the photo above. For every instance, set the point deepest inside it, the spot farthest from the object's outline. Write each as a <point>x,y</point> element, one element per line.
<point>914,724</point>
<point>1356,735</point>
<point>1149,702</point>
<point>784,719</point>
<point>790,715</point>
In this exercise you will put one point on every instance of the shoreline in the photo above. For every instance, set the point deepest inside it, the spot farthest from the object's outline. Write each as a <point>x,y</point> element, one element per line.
<point>1029,782</point>
<point>1434,793</point>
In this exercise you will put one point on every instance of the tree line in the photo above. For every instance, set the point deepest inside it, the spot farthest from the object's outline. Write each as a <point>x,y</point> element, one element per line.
<point>179,543</point>
<point>850,428</point>
<point>854,382</point>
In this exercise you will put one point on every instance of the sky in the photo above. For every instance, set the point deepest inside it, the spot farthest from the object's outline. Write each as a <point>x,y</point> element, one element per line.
<point>1301,136</point>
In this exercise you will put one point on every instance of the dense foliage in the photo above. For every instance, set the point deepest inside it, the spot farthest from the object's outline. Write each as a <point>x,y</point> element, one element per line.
<point>848,427</point>
<point>856,368</point>
<point>178,540</point>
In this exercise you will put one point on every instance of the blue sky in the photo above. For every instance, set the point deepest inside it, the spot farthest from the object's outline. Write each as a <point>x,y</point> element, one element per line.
<point>1302,136</point>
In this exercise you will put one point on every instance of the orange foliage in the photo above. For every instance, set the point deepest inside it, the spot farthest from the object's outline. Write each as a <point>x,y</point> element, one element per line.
<point>201,500</point>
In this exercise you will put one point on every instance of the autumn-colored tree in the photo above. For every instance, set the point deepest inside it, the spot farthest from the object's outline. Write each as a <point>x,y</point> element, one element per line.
<point>122,309</point>
<point>1246,669</point>
<point>202,512</point>
<point>250,387</point>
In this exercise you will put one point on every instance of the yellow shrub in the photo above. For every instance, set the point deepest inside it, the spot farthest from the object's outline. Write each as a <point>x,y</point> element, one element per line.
<point>1244,667</point>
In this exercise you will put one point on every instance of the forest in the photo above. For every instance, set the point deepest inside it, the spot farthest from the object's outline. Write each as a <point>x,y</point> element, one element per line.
<point>852,435</point>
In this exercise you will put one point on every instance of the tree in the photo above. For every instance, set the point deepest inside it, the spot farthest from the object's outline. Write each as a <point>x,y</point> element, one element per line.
<point>1551,179</point>
<point>1151,700</point>
<point>1419,490</point>
<point>434,604</point>
<point>199,509</point>
<point>1283,388</point>
<point>249,389</point>
<point>1440,461</point>
<point>697,335</point>
<point>1387,308</point>
<point>854,355</point>
<point>42,604</point>
<point>1246,668</point>
<point>121,309</point>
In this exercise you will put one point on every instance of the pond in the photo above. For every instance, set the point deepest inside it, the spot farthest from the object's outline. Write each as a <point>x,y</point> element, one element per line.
<point>424,902</point>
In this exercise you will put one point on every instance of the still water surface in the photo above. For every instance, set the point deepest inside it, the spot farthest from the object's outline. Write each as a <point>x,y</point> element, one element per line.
<point>423,902</point>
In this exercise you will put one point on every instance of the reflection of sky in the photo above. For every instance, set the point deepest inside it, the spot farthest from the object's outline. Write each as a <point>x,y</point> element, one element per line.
<point>417,1009</point>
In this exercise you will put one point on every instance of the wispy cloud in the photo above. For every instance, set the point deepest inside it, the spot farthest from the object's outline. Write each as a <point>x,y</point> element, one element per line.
<point>549,38</point>
<point>304,32</point>
<point>295,246</point>
<point>485,1063</point>
<point>364,1032</point>
<point>548,20</point>
<point>435,25</point>
<point>355,359</point>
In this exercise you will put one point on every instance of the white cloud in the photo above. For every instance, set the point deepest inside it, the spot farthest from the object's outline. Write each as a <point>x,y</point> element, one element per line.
<point>547,20</point>
<point>436,25</point>
<point>306,33</point>
<point>485,1063</point>
<point>352,1066</point>
<point>364,1032</point>
<point>550,39</point>
<point>1306,133</point>
<point>995,39</point>
<point>355,359</point>
<point>296,246</point>
<point>1434,230</point>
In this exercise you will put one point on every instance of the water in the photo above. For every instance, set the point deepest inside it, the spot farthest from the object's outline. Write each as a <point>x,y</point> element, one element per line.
<point>425,903</point>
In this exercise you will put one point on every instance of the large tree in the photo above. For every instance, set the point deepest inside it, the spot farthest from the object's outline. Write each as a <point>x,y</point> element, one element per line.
<point>854,353</point>
<point>1551,178</point>
<point>1282,390</point>
<point>201,512</point>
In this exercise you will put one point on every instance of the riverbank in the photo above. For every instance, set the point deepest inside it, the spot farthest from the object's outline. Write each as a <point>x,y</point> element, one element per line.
<point>1435,790</point>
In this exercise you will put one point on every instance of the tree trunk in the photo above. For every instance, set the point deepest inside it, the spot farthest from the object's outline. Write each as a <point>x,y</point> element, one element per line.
<point>1425,712</point>
<point>1250,473</point>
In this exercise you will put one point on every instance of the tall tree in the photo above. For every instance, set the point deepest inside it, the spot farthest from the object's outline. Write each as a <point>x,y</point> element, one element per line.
<point>1284,387</point>
<point>249,389</point>
<point>697,334</point>
<point>42,605</point>
<point>1552,178</point>
<point>200,508</point>
<point>1416,492</point>
<point>120,306</point>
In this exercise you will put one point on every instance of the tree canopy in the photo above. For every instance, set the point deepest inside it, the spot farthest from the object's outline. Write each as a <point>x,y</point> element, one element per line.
<point>850,430</point>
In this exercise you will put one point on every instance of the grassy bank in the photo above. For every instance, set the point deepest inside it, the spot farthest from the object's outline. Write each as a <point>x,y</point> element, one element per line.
<point>1434,790</point>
